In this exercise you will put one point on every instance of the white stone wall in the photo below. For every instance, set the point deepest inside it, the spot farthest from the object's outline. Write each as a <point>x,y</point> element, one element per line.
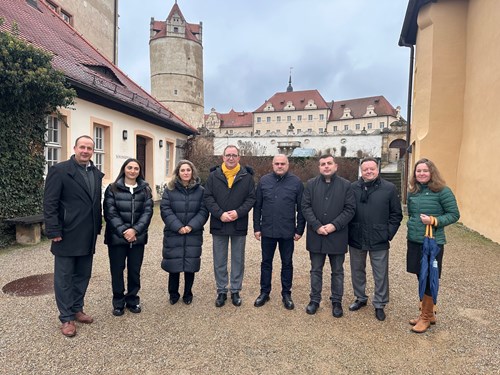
<point>371,145</point>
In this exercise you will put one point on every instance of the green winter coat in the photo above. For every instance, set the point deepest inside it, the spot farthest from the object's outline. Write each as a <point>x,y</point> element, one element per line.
<point>442,205</point>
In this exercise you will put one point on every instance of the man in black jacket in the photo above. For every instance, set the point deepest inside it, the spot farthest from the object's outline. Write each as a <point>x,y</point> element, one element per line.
<point>278,220</point>
<point>229,196</point>
<point>73,219</point>
<point>377,219</point>
<point>327,205</point>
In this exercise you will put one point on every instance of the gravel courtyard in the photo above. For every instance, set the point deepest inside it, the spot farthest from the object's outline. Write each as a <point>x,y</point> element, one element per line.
<point>203,339</point>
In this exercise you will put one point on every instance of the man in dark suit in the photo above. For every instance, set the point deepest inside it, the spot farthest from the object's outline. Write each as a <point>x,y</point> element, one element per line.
<point>328,205</point>
<point>73,219</point>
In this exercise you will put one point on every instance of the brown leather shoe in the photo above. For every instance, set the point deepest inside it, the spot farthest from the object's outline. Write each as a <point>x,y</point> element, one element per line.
<point>68,329</point>
<point>81,317</point>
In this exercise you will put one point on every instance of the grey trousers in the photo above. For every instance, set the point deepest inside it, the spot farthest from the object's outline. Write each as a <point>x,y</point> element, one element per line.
<point>380,267</point>
<point>337,280</point>
<point>71,279</point>
<point>220,253</point>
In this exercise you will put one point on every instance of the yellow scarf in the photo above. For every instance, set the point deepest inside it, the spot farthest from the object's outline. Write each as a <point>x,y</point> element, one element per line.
<point>230,173</point>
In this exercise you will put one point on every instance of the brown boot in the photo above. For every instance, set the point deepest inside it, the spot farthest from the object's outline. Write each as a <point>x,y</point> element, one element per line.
<point>432,320</point>
<point>427,311</point>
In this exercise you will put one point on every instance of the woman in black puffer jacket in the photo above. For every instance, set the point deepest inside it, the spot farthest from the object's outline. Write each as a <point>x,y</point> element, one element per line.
<point>184,214</point>
<point>128,208</point>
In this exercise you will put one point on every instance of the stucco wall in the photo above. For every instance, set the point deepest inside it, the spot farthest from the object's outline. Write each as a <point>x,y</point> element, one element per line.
<point>456,96</point>
<point>81,122</point>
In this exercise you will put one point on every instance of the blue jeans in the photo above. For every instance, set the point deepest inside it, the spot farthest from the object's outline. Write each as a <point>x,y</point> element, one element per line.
<point>286,247</point>
<point>337,284</point>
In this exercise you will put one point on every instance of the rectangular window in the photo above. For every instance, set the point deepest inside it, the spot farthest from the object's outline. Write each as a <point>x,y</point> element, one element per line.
<point>299,118</point>
<point>309,117</point>
<point>53,142</point>
<point>52,6</point>
<point>335,128</point>
<point>268,119</point>
<point>309,130</point>
<point>369,125</point>
<point>321,117</point>
<point>99,148</point>
<point>66,16</point>
<point>320,130</point>
<point>278,118</point>
<point>382,124</point>
<point>258,119</point>
<point>346,127</point>
<point>288,118</point>
<point>299,131</point>
<point>168,157</point>
<point>358,127</point>
<point>231,131</point>
<point>257,132</point>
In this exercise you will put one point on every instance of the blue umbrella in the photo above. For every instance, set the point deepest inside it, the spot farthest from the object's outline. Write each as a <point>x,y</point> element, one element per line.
<point>429,266</point>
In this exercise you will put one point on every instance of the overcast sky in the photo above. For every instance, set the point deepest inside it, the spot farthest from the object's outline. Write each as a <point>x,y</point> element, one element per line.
<point>345,49</point>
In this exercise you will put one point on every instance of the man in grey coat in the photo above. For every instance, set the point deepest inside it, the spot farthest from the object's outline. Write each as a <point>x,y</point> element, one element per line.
<point>376,221</point>
<point>73,219</point>
<point>327,205</point>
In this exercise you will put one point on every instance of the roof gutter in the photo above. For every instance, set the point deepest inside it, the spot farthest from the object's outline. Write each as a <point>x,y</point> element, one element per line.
<point>135,111</point>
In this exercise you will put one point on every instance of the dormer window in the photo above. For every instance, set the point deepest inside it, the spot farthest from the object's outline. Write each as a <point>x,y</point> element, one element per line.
<point>311,105</point>
<point>269,107</point>
<point>347,113</point>
<point>370,111</point>
<point>289,106</point>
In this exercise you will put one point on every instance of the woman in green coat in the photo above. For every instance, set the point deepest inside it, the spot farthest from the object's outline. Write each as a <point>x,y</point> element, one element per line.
<point>430,202</point>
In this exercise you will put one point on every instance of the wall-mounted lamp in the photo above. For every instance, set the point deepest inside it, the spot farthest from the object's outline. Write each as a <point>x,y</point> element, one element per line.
<point>125,135</point>
<point>161,143</point>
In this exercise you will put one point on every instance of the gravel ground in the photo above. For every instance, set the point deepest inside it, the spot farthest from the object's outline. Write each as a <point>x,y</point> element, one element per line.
<point>201,338</point>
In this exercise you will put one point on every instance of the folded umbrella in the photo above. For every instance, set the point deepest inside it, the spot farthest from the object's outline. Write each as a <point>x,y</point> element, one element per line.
<point>429,266</point>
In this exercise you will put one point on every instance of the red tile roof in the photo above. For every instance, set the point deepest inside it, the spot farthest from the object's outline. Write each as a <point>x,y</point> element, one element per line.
<point>299,100</point>
<point>234,119</point>
<point>358,107</point>
<point>85,68</point>
<point>161,26</point>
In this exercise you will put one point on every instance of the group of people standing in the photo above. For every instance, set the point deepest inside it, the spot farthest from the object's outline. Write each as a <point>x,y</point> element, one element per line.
<point>360,217</point>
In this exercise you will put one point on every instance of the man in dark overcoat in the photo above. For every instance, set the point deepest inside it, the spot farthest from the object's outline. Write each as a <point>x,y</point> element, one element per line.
<point>73,219</point>
<point>229,196</point>
<point>377,219</point>
<point>327,205</point>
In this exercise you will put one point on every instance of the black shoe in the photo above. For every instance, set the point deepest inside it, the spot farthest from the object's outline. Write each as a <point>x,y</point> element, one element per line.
<point>356,305</point>
<point>136,309</point>
<point>221,299</point>
<point>187,299</point>
<point>287,302</point>
<point>312,308</point>
<point>236,299</point>
<point>118,311</point>
<point>380,314</point>
<point>261,300</point>
<point>337,311</point>
<point>173,299</point>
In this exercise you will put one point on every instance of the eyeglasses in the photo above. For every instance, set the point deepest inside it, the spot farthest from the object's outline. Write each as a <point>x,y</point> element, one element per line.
<point>231,156</point>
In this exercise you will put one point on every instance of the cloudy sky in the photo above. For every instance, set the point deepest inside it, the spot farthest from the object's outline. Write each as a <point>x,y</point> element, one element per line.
<point>343,48</point>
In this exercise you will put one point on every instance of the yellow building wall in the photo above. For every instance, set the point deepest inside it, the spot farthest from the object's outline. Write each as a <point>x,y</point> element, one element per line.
<point>455,105</point>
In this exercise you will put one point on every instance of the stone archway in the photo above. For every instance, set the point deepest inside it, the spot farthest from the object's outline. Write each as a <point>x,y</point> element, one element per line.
<point>397,150</point>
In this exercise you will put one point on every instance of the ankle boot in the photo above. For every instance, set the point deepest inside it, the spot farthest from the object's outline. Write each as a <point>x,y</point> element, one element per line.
<point>427,311</point>
<point>432,320</point>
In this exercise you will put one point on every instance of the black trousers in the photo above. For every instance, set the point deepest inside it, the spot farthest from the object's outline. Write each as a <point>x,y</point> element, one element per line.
<point>71,279</point>
<point>133,257</point>
<point>173,284</point>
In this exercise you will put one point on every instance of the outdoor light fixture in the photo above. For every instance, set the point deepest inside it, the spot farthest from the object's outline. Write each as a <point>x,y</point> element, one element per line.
<point>161,143</point>
<point>125,135</point>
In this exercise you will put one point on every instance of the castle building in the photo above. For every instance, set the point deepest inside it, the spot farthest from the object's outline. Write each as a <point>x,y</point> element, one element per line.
<point>176,59</point>
<point>303,123</point>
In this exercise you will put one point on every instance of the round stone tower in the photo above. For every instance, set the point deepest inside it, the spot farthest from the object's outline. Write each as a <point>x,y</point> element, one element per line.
<point>176,58</point>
